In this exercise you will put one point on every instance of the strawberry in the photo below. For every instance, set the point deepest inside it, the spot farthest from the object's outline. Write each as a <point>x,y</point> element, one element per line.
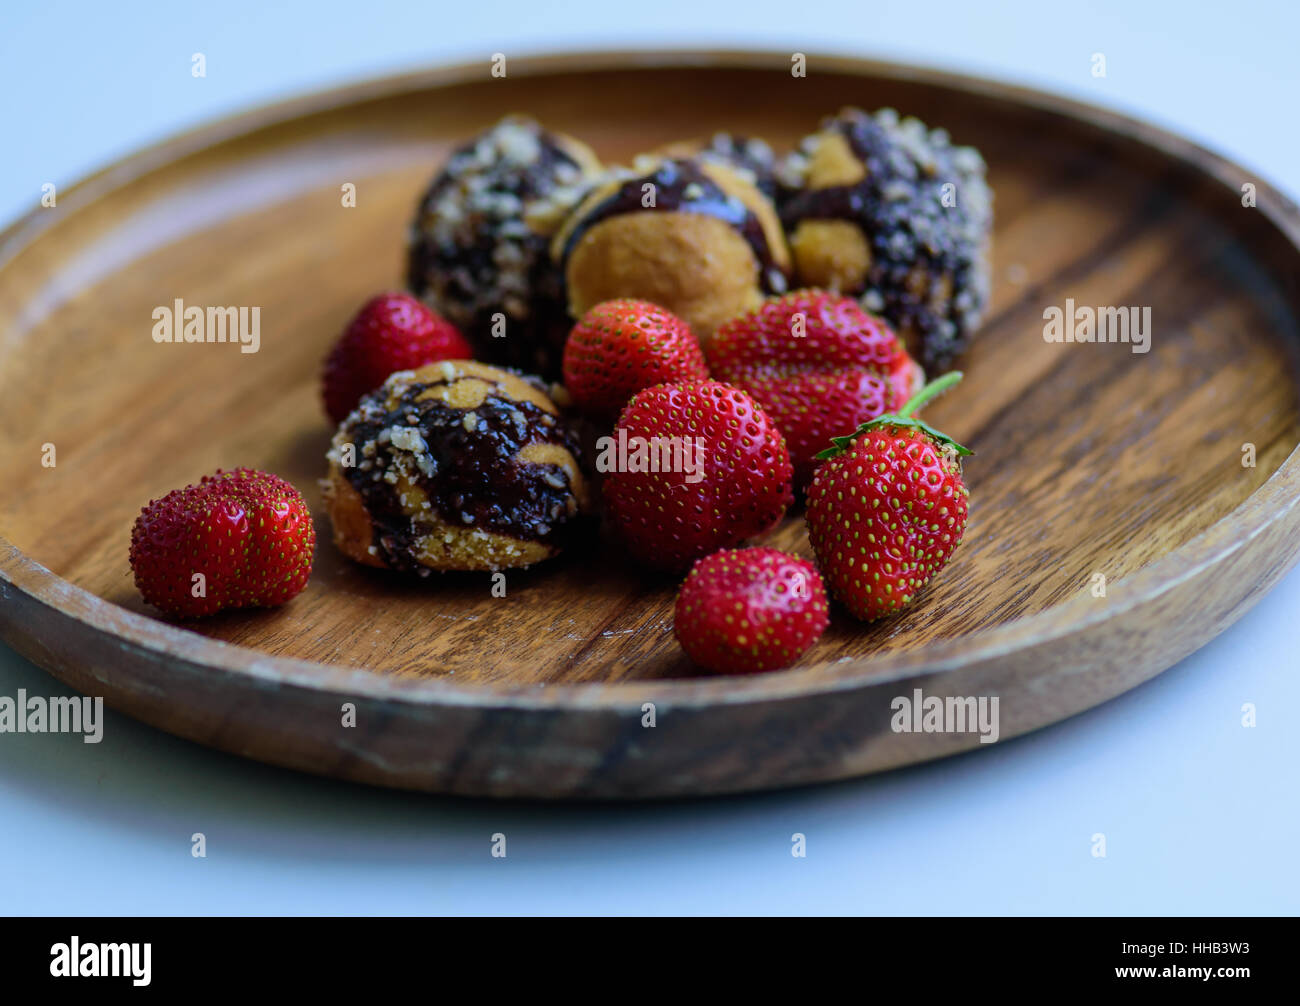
<point>809,408</point>
<point>391,332</point>
<point>695,467</point>
<point>247,532</point>
<point>818,364</point>
<point>754,609</point>
<point>621,346</point>
<point>887,508</point>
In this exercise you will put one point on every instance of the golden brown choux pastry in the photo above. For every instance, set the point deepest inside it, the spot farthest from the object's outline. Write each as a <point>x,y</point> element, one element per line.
<point>454,466</point>
<point>689,234</point>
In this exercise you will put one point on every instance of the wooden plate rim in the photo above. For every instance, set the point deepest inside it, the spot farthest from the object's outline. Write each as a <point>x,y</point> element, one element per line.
<point>1271,502</point>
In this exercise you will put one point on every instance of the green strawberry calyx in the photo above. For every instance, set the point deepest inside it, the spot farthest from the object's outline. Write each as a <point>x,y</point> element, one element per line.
<point>904,417</point>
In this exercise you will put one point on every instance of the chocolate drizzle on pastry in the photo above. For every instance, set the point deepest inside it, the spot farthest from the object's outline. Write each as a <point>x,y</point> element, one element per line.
<point>486,464</point>
<point>927,274</point>
<point>681,186</point>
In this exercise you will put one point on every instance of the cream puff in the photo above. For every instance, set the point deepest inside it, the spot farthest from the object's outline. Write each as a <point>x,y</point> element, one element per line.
<point>478,252</point>
<point>689,234</point>
<point>454,466</point>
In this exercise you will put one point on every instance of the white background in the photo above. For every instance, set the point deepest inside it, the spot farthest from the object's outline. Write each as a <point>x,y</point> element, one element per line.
<point>1200,814</point>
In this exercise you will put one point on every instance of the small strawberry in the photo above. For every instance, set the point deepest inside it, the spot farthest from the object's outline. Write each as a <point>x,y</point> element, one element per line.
<point>391,332</point>
<point>693,468</point>
<point>754,609</point>
<point>887,508</point>
<point>818,364</point>
<point>621,346</point>
<point>248,533</point>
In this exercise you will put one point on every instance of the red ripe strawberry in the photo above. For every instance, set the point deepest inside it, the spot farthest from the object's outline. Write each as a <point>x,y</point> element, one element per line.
<point>392,332</point>
<point>813,330</point>
<point>809,408</point>
<point>755,609</point>
<point>887,508</point>
<point>247,532</point>
<point>818,364</point>
<point>693,468</point>
<point>621,346</point>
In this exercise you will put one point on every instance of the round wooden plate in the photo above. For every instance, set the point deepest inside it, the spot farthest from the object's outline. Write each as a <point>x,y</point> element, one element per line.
<point>1091,460</point>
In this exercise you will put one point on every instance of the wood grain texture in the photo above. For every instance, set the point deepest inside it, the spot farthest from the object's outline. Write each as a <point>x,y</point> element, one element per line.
<point>1089,458</point>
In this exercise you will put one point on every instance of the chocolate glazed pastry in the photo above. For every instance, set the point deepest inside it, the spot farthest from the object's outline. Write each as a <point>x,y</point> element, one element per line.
<point>479,244</point>
<point>689,234</point>
<point>454,466</point>
<point>893,213</point>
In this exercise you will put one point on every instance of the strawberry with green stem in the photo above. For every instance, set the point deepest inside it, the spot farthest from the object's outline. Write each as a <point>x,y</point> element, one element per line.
<point>888,507</point>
